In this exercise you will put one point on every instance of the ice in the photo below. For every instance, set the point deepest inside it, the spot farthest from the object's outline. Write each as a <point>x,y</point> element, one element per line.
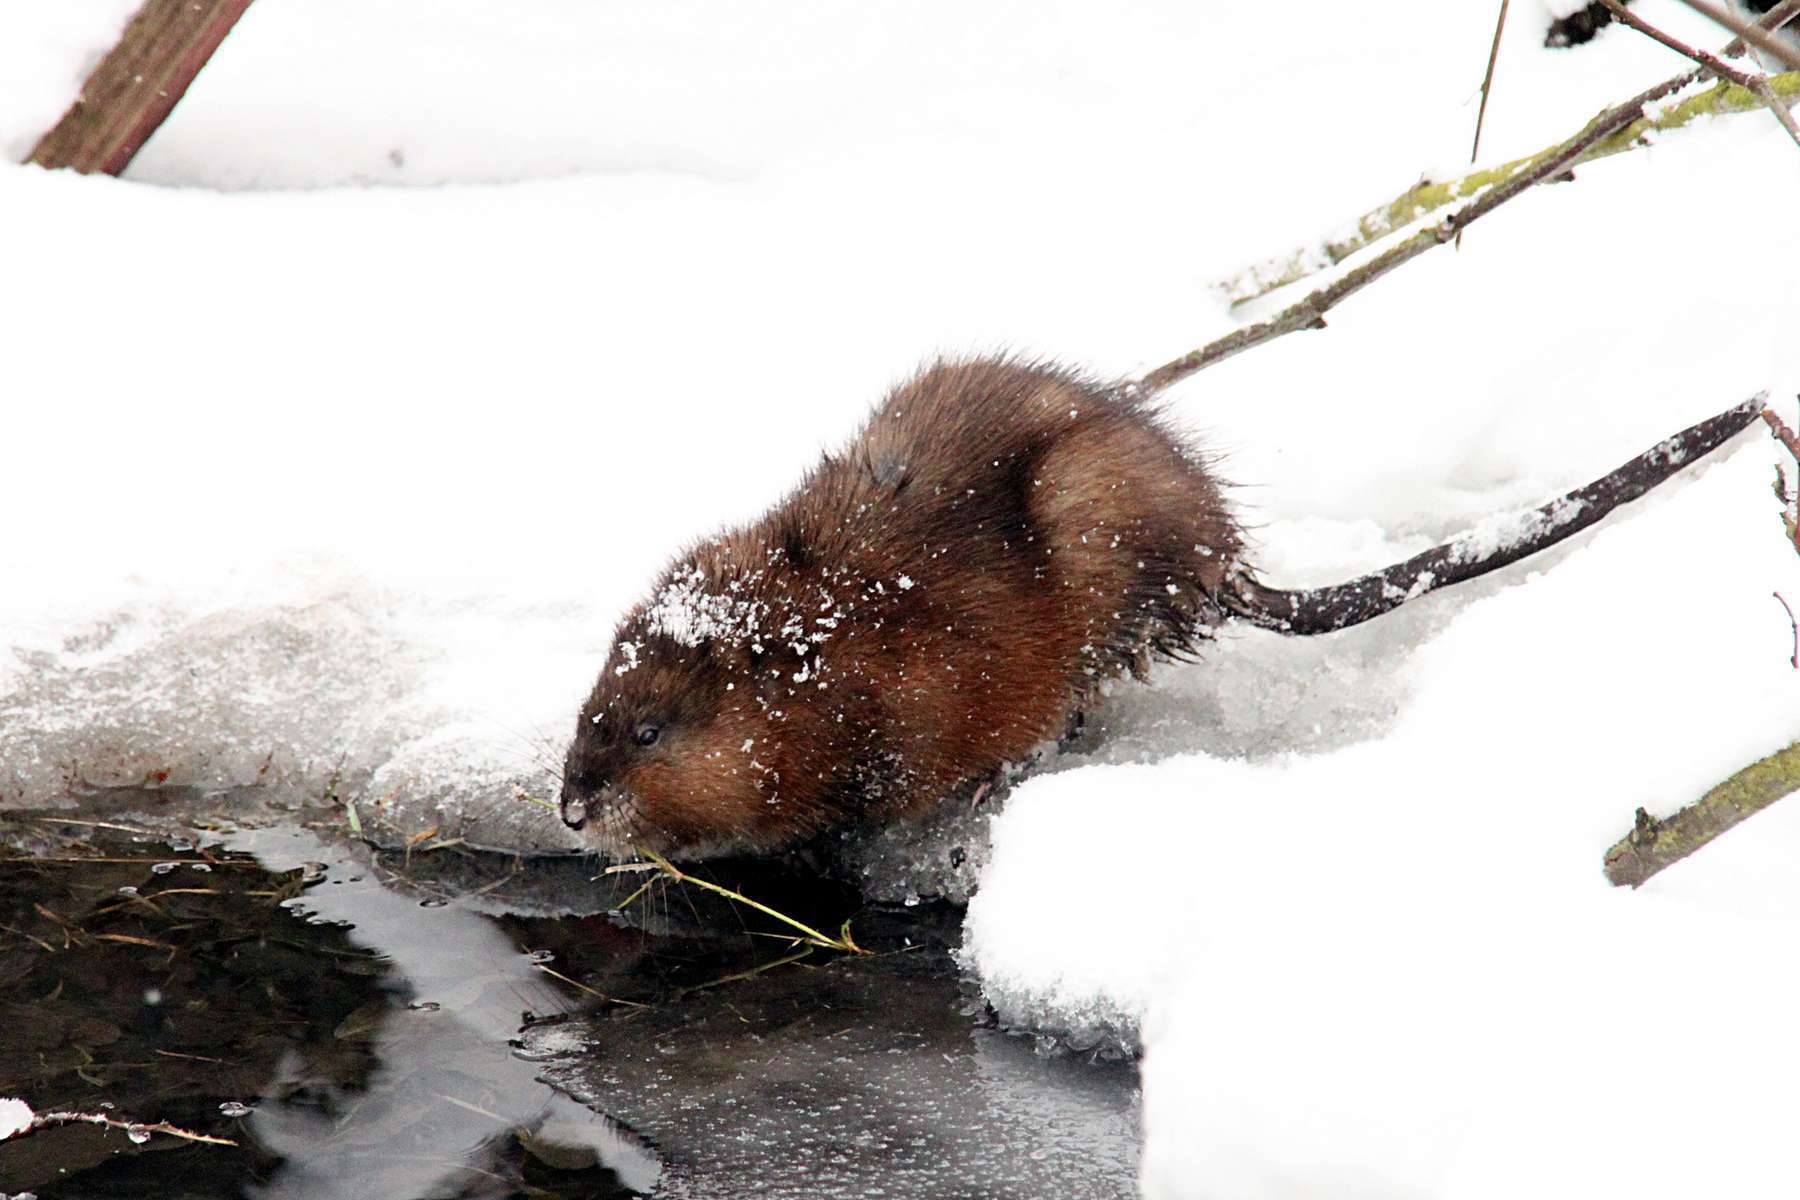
<point>313,696</point>
<point>894,1096</point>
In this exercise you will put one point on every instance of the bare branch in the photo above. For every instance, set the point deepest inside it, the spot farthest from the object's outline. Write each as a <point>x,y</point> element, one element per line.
<point>1310,312</point>
<point>1652,844</point>
<point>137,84</point>
<point>1486,548</point>
<point>1755,34</point>
<point>1487,88</point>
<point>1773,20</point>
<point>1783,434</point>
<point>1790,507</point>
<point>1793,625</point>
<point>1715,66</point>
<point>1487,80</point>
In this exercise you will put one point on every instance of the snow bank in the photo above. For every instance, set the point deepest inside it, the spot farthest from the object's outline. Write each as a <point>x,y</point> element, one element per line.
<point>15,1117</point>
<point>354,481</point>
<point>1392,968</point>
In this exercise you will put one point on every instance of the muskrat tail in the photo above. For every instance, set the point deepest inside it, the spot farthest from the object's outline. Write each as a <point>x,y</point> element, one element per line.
<point>1485,548</point>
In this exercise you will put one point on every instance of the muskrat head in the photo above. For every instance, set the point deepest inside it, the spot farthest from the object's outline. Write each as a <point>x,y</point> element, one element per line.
<point>673,752</point>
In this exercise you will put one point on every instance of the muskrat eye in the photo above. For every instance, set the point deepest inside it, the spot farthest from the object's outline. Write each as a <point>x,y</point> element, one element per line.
<point>646,735</point>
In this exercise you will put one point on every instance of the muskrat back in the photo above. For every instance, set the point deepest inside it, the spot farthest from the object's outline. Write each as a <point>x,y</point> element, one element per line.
<point>931,603</point>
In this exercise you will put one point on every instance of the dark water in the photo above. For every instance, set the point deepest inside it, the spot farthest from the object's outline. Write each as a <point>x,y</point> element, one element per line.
<point>438,1024</point>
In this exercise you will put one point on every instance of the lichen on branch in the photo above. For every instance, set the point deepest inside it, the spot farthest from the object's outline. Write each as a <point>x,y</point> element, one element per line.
<point>1427,196</point>
<point>1654,844</point>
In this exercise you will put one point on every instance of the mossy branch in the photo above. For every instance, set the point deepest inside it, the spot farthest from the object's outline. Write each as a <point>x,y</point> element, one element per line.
<point>1654,844</point>
<point>1427,196</point>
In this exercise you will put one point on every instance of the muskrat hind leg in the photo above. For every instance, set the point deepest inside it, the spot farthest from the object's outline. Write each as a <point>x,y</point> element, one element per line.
<point>1072,729</point>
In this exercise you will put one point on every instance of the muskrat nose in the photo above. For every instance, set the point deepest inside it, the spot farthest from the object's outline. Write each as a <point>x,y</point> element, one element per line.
<point>574,811</point>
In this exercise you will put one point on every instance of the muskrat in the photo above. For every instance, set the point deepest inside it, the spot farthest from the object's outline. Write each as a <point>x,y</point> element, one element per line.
<point>942,596</point>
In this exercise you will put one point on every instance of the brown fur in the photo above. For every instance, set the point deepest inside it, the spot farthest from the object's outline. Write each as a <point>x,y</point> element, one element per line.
<point>931,603</point>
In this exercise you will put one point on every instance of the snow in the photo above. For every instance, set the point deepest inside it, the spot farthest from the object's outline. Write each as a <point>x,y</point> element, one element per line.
<point>1398,946</point>
<point>15,1117</point>
<point>315,479</point>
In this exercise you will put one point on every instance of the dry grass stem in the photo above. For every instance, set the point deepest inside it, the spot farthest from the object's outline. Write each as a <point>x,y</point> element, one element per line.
<point>843,943</point>
<point>580,986</point>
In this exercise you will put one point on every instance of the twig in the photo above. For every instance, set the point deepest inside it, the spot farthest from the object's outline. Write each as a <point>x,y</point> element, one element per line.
<point>1487,81</point>
<point>1718,68</point>
<point>1760,85</point>
<point>1652,844</point>
<point>1773,21</point>
<point>137,1132</point>
<point>1790,507</point>
<point>1795,626</point>
<point>1487,88</point>
<point>1755,34</point>
<point>1310,312</point>
<point>139,82</point>
<point>1712,62</point>
<point>1427,196</point>
<point>1328,609</point>
<point>1783,434</point>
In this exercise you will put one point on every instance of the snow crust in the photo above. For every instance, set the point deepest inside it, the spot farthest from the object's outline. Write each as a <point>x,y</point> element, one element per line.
<point>15,1117</point>
<point>352,483</point>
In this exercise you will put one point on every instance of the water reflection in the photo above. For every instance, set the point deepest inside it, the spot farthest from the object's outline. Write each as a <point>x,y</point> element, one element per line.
<point>442,1097</point>
<point>353,1042</point>
<point>374,1025</point>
